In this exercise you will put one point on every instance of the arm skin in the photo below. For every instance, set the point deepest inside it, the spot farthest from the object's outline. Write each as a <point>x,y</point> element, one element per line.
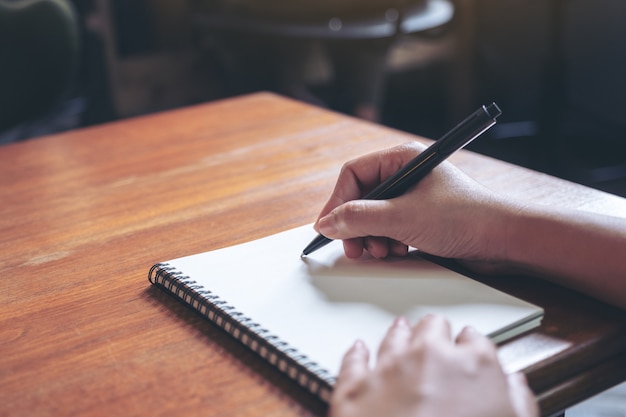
<point>449,214</point>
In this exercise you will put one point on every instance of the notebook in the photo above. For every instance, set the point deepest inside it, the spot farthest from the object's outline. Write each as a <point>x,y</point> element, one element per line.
<point>303,314</point>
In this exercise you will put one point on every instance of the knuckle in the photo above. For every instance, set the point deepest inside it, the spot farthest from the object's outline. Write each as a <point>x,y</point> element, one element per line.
<point>391,366</point>
<point>353,210</point>
<point>425,351</point>
<point>349,391</point>
<point>486,353</point>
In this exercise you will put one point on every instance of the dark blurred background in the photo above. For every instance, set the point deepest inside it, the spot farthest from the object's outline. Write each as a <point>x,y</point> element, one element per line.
<point>555,67</point>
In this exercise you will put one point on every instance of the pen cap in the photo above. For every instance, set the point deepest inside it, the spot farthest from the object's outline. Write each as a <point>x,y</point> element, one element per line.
<point>469,129</point>
<point>493,110</point>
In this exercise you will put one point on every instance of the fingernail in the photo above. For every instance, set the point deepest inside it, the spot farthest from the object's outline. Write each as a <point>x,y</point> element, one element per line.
<point>358,345</point>
<point>470,330</point>
<point>401,321</point>
<point>326,226</point>
<point>429,317</point>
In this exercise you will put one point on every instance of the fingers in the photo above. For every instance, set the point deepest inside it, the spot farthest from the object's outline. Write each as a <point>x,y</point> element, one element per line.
<point>470,336</point>
<point>422,371</point>
<point>395,340</point>
<point>378,247</point>
<point>382,247</point>
<point>432,328</point>
<point>358,223</point>
<point>482,348</point>
<point>361,218</point>
<point>354,368</point>
<point>353,248</point>
<point>397,248</point>
<point>361,175</point>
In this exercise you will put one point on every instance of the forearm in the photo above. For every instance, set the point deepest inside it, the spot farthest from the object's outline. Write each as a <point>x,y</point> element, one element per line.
<point>580,250</point>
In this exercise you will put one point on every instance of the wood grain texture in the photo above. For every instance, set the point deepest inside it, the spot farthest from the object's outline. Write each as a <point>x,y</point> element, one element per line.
<point>84,214</point>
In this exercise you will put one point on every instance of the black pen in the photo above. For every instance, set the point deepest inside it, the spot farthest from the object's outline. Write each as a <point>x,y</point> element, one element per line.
<point>409,175</point>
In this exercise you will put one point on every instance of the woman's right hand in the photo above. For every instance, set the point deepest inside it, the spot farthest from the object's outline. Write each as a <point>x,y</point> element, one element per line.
<point>446,214</point>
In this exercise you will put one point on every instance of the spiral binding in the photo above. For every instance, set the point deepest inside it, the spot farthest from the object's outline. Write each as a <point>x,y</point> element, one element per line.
<point>278,353</point>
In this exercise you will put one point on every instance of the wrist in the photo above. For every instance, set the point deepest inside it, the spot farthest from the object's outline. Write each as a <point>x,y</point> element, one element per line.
<point>499,228</point>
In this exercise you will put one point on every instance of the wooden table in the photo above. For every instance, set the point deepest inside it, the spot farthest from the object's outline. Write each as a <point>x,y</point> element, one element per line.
<point>84,214</point>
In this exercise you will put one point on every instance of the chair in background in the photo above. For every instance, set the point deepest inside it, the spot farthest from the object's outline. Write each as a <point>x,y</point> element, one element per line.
<point>556,68</point>
<point>399,16</point>
<point>275,43</point>
<point>590,126</point>
<point>39,44</point>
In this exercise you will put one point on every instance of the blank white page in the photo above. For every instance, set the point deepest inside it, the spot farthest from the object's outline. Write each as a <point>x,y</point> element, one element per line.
<point>322,303</point>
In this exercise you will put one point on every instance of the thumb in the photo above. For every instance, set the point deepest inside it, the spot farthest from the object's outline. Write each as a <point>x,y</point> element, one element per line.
<point>361,218</point>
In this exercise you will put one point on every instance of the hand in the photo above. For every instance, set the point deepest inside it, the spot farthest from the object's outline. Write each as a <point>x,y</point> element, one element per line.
<point>450,215</point>
<point>421,371</point>
<point>446,214</point>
